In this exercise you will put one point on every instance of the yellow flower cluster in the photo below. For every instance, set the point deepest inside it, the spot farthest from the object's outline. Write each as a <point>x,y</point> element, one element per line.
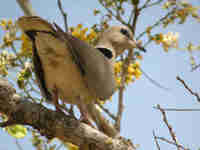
<point>6,24</point>
<point>23,75</point>
<point>26,46</point>
<point>6,59</point>
<point>169,40</point>
<point>81,33</point>
<point>183,11</point>
<point>3,63</point>
<point>10,35</point>
<point>133,71</point>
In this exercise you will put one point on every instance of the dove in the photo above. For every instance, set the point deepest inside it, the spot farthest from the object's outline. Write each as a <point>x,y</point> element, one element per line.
<point>70,69</point>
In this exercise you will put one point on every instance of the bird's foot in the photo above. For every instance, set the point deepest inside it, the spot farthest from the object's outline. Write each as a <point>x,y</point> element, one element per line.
<point>59,109</point>
<point>85,119</point>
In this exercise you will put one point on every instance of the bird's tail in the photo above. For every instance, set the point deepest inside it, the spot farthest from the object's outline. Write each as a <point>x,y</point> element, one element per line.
<point>34,23</point>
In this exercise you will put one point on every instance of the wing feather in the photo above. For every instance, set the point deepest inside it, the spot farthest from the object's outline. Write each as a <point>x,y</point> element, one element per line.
<point>96,69</point>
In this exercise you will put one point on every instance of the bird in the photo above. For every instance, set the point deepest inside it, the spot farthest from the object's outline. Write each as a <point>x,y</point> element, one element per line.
<point>70,69</point>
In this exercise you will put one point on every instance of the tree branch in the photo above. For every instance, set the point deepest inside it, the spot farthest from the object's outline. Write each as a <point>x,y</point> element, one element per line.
<point>178,109</point>
<point>64,14</point>
<point>189,89</point>
<point>156,141</point>
<point>116,16</point>
<point>53,124</point>
<point>124,73</point>
<point>26,7</point>
<point>107,111</point>
<point>158,22</point>
<point>168,126</point>
<point>170,142</point>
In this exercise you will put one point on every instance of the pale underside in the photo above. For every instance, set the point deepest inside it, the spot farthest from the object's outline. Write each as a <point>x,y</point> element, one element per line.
<point>60,71</point>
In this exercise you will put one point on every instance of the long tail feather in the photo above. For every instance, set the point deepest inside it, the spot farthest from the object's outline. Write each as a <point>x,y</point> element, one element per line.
<point>34,23</point>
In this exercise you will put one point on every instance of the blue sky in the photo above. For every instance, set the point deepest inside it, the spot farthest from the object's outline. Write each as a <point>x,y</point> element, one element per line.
<point>139,117</point>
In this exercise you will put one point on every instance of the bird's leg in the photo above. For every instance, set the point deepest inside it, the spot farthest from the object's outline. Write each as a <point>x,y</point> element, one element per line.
<point>85,116</point>
<point>56,100</point>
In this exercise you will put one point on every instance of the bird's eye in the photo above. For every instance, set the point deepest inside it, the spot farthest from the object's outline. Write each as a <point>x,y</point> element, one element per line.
<point>125,32</point>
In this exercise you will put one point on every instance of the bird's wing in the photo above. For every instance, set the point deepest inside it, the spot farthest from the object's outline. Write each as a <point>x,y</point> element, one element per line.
<point>30,25</point>
<point>98,71</point>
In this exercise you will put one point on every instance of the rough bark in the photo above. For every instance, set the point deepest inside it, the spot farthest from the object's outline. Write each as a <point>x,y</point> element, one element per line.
<point>54,124</point>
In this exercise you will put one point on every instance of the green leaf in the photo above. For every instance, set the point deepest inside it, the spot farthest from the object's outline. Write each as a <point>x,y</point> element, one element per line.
<point>17,131</point>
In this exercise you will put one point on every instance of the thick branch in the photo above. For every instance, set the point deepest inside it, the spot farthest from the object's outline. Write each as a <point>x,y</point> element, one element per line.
<point>26,7</point>
<point>53,124</point>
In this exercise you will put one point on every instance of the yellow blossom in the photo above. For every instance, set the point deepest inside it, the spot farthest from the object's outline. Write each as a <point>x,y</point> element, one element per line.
<point>139,57</point>
<point>3,24</point>
<point>131,69</point>
<point>129,78</point>
<point>148,30</point>
<point>158,38</point>
<point>117,67</point>
<point>135,65</point>
<point>92,35</point>
<point>26,47</point>
<point>7,39</point>
<point>118,80</point>
<point>170,40</point>
<point>81,33</point>
<point>3,70</point>
<point>9,23</point>
<point>137,73</point>
<point>79,26</point>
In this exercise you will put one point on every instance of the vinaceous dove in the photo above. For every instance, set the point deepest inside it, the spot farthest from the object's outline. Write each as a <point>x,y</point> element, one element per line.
<point>69,68</point>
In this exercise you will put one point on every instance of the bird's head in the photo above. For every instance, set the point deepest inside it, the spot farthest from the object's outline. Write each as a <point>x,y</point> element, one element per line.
<point>118,38</point>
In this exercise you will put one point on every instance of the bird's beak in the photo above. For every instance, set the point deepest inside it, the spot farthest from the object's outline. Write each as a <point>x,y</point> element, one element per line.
<point>140,47</point>
<point>134,44</point>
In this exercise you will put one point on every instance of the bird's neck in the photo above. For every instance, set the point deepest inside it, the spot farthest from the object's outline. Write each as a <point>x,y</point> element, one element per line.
<point>106,44</point>
<point>116,48</point>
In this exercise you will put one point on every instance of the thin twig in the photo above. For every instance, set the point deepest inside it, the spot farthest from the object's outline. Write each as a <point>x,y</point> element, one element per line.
<point>136,15</point>
<point>64,14</point>
<point>156,141</point>
<point>117,17</point>
<point>189,89</point>
<point>157,23</point>
<point>153,81</point>
<point>147,5</point>
<point>18,145</point>
<point>131,16</point>
<point>170,142</point>
<point>168,126</point>
<point>153,4</point>
<point>107,111</point>
<point>195,67</point>
<point>60,146</point>
<point>181,110</point>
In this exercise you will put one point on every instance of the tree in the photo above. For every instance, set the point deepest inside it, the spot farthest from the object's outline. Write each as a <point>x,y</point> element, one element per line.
<point>18,60</point>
